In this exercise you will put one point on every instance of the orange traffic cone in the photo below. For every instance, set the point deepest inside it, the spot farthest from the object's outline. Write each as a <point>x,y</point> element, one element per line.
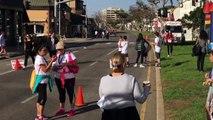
<point>79,99</point>
<point>17,65</point>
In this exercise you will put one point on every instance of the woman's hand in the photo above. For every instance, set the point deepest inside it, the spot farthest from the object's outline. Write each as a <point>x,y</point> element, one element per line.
<point>207,75</point>
<point>53,59</point>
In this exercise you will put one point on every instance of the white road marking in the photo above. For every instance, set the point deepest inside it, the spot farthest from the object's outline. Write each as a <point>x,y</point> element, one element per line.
<point>109,43</point>
<point>93,63</point>
<point>13,70</point>
<point>6,72</point>
<point>28,99</point>
<point>112,51</point>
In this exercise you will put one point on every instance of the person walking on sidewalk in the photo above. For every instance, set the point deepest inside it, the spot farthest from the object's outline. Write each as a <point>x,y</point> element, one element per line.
<point>124,49</point>
<point>140,48</point>
<point>64,78</point>
<point>118,92</point>
<point>202,42</point>
<point>3,44</point>
<point>28,49</point>
<point>169,41</point>
<point>43,79</point>
<point>158,43</point>
<point>51,43</point>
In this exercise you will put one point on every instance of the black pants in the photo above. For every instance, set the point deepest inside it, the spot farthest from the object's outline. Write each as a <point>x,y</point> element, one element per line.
<point>69,87</point>
<point>129,113</point>
<point>140,54</point>
<point>200,61</point>
<point>169,48</point>
<point>27,54</point>
<point>52,52</point>
<point>42,94</point>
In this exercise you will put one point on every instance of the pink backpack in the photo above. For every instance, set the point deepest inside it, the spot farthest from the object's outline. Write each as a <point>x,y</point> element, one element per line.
<point>73,69</point>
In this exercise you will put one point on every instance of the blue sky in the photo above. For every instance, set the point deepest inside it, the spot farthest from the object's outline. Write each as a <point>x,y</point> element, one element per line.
<point>94,6</point>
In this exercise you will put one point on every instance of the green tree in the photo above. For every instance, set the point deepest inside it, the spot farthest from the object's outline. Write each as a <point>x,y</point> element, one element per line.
<point>195,19</point>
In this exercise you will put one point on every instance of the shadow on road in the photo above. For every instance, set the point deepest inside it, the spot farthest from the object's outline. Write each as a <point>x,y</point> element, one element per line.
<point>86,108</point>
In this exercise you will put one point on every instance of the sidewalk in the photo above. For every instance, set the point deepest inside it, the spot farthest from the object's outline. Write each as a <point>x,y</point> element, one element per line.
<point>13,51</point>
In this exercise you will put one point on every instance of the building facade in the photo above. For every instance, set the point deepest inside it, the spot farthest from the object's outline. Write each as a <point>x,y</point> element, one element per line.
<point>12,17</point>
<point>110,13</point>
<point>185,8</point>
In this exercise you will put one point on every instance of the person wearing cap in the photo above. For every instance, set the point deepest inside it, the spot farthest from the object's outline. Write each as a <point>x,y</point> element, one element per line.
<point>64,78</point>
<point>118,92</point>
<point>158,43</point>
<point>208,82</point>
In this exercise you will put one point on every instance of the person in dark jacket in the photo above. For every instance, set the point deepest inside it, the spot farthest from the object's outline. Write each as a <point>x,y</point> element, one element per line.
<point>140,48</point>
<point>51,43</point>
<point>28,49</point>
<point>202,41</point>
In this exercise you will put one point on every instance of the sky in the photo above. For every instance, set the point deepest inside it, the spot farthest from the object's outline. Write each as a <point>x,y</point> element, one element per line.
<point>93,6</point>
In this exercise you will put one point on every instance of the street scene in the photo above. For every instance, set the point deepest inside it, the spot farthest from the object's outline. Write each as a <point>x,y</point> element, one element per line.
<point>106,60</point>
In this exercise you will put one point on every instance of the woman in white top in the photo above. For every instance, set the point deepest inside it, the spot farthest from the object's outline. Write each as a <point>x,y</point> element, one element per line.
<point>119,43</point>
<point>118,92</point>
<point>124,49</point>
<point>64,77</point>
<point>43,78</point>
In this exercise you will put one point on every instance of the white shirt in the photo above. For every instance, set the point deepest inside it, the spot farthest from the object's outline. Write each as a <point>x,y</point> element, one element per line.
<point>124,49</point>
<point>157,48</point>
<point>119,45</point>
<point>64,59</point>
<point>39,60</point>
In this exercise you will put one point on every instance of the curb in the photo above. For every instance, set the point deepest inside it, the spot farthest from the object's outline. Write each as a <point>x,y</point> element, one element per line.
<point>159,96</point>
<point>159,93</point>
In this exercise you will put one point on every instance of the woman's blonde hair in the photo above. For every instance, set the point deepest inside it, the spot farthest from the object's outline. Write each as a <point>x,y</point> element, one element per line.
<point>118,61</point>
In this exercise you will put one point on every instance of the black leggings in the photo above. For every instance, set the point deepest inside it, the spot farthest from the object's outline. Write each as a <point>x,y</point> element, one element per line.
<point>129,113</point>
<point>140,53</point>
<point>200,61</point>
<point>27,54</point>
<point>42,94</point>
<point>69,86</point>
<point>169,48</point>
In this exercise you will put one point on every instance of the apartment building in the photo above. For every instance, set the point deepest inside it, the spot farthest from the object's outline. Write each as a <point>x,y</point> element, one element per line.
<point>109,13</point>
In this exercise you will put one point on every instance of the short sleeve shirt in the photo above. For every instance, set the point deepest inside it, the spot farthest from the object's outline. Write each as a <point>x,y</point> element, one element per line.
<point>157,47</point>
<point>64,59</point>
<point>40,60</point>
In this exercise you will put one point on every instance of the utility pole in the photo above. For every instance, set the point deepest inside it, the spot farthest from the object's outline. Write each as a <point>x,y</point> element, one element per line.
<point>58,20</point>
<point>86,20</point>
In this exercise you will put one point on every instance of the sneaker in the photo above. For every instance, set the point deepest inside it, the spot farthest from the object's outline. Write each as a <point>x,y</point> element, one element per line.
<point>41,118</point>
<point>71,112</point>
<point>61,111</point>
<point>168,56</point>
<point>135,65</point>
<point>141,66</point>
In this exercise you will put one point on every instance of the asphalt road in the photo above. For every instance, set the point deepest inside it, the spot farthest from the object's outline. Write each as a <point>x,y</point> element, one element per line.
<point>17,102</point>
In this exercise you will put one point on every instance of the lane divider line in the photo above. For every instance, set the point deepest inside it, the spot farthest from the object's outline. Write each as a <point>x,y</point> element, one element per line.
<point>93,63</point>
<point>112,51</point>
<point>28,99</point>
<point>144,105</point>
